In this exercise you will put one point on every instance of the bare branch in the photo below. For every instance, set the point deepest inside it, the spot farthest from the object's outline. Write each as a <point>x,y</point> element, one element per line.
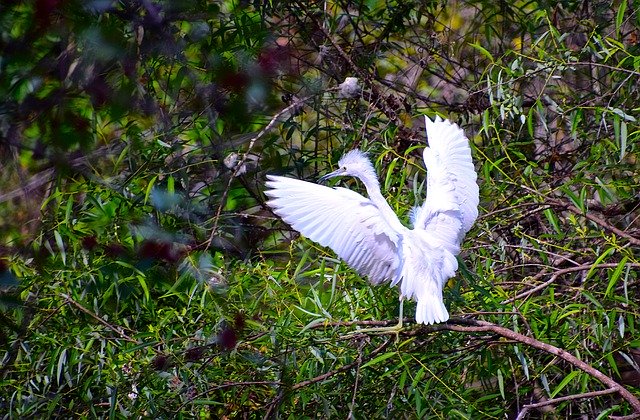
<point>527,407</point>
<point>118,330</point>
<point>464,325</point>
<point>594,218</point>
<point>344,368</point>
<point>558,273</point>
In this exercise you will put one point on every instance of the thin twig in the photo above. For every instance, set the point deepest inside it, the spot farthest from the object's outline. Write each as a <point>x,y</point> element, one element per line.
<point>470,326</point>
<point>558,273</point>
<point>592,394</point>
<point>344,368</point>
<point>116,329</point>
<point>223,386</point>
<point>239,165</point>
<point>325,376</point>
<point>355,386</point>
<point>378,97</point>
<point>589,215</point>
<point>464,325</point>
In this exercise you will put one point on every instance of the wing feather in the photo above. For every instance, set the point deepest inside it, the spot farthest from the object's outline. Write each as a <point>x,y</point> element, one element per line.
<point>341,219</point>
<point>451,205</point>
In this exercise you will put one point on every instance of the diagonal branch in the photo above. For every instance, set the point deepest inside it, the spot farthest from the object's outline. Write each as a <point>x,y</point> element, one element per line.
<point>527,407</point>
<point>278,117</point>
<point>117,329</point>
<point>560,272</point>
<point>341,369</point>
<point>471,326</point>
<point>466,325</point>
<point>597,220</point>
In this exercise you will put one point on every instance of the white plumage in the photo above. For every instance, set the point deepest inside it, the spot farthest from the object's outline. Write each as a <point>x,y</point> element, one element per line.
<point>366,233</point>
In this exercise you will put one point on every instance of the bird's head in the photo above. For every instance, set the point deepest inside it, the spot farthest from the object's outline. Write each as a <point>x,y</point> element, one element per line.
<point>354,163</point>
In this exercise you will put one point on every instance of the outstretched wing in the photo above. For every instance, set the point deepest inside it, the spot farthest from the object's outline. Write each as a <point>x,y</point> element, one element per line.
<point>341,219</point>
<point>451,205</point>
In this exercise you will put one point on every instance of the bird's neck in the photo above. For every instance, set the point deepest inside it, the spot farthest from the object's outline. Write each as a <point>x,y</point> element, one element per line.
<point>373,191</point>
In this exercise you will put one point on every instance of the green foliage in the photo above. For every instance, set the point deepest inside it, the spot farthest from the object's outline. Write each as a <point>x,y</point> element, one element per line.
<point>142,275</point>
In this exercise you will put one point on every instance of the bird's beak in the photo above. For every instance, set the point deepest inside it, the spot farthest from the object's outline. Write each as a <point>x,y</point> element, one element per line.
<point>335,173</point>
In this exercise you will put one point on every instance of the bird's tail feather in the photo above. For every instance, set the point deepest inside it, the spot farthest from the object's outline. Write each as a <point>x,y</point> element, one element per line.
<point>431,310</point>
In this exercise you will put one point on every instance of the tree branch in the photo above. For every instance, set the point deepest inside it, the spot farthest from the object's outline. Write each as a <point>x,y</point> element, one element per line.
<point>594,218</point>
<point>116,329</point>
<point>465,325</point>
<point>557,274</point>
<point>341,369</point>
<point>471,326</point>
<point>527,407</point>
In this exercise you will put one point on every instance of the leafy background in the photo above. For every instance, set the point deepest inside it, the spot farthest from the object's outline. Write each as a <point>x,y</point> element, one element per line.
<point>142,275</point>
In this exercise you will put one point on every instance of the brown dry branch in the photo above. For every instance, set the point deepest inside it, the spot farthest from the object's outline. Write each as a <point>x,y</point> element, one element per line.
<point>117,329</point>
<point>526,408</point>
<point>356,363</point>
<point>47,175</point>
<point>471,326</point>
<point>341,369</point>
<point>597,220</point>
<point>274,120</point>
<point>224,386</point>
<point>559,273</point>
<point>386,104</point>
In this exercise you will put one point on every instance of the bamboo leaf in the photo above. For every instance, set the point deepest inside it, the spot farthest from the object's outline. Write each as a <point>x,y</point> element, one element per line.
<point>616,275</point>
<point>379,358</point>
<point>567,379</point>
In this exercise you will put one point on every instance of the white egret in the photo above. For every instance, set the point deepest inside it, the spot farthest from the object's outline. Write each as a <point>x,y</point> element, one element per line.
<point>366,233</point>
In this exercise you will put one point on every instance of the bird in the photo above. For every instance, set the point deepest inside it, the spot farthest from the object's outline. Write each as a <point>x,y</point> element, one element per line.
<point>366,233</point>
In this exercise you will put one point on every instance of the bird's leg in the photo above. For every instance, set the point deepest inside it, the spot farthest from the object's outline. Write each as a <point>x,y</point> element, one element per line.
<point>393,329</point>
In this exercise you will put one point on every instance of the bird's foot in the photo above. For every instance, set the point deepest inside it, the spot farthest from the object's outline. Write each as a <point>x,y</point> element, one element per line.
<point>392,329</point>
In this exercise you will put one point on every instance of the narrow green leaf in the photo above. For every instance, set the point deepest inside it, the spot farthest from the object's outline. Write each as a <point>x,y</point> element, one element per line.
<point>501,384</point>
<point>482,50</point>
<point>612,362</point>
<point>389,178</point>
<point>129,266</point>
<point>143,283</point>
<point>631,361</point>
<point>620,16</point>
<point>380,358</point>
<point>564,382</point>
<point>68,212</point>
<point>312,324</point>
<point>147,192</point>
<point>545,383</point>
<point>62,358</point>
<point>575,199</point>
<point>60,245</point>
<point>597,262</point>
<point>621,325</point>
<point>523,361</point>
<point>553,219</point>
<point>301,264</point>
<point>623,139</point>
<point>616,275</point>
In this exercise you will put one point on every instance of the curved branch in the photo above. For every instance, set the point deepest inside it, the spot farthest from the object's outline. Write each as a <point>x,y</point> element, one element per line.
<point>471,326</point>
<point>527,407</point>
<point>466,325</point>
<point>595,219</point>
<point>560,272</point>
